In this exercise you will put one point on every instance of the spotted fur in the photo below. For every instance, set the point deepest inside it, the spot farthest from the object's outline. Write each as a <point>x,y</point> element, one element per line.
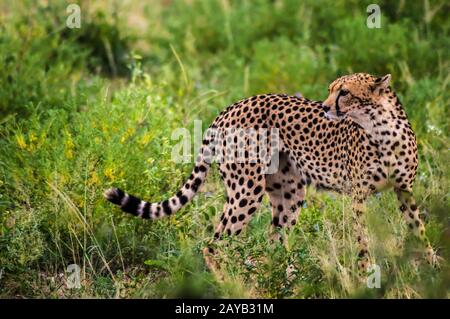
<point>357,142</point>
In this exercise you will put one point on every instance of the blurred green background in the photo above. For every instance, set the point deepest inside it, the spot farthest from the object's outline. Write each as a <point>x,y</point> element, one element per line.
<point>84,109</point>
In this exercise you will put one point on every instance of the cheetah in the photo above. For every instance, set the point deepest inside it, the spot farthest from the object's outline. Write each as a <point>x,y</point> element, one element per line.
<point>357,142</point>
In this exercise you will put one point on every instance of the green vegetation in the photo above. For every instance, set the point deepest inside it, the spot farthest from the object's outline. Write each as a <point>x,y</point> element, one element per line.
<point>84,109</point>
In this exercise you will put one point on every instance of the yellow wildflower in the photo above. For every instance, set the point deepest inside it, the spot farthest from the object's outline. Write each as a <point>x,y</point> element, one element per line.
<point>146,138</point>
<point>128,133</point>
<point>21,141</point>
<point>109,173</point>
<point>69,145</point>
<point>32,139</point>
<point>93,180</point>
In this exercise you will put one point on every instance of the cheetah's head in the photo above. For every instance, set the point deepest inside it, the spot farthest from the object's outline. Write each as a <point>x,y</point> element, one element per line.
<point>350,94</point>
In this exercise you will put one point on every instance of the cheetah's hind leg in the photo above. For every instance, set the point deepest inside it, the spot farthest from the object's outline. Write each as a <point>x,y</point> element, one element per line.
<point>287,195</point>
<point>245,185</point>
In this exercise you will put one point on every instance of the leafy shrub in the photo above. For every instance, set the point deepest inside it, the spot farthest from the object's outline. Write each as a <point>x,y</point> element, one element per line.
<point>108,50</point>
<point>44,63</point>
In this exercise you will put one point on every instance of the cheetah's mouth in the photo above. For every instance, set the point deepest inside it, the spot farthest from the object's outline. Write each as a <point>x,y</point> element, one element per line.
<point>334,115</point>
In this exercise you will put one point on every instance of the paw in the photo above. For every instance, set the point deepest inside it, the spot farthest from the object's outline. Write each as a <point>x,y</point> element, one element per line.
<point>251,262</point>
<point>432,258</point>
<point>363,268</point>
<point>291,272</point>
<point>210,256</point>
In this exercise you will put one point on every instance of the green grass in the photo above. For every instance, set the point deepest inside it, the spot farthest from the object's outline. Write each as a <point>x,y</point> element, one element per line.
<point>83,110</point>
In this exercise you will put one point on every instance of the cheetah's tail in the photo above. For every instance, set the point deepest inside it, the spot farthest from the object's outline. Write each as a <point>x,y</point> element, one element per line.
<point>137,207</point>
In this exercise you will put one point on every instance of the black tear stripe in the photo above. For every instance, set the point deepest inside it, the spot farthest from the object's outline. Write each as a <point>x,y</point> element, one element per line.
<point>338,110</point>
<point>131,205</point>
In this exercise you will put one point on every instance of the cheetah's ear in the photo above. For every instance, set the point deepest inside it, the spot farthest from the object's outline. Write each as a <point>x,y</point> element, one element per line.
<point>381,84</point>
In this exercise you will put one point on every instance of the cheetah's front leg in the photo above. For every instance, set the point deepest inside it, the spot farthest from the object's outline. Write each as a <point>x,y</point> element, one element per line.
<point>411,215</point>
<point>360,230</point>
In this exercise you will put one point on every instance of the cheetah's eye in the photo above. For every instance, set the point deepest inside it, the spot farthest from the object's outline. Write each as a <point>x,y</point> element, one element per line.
<point>344,92</point>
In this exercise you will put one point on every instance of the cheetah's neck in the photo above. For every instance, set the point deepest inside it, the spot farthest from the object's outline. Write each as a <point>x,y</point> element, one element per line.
<point>387,127</point>
<point>384,122</point>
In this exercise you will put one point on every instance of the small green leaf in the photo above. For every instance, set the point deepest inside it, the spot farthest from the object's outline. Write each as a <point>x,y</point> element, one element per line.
<point>155,263</point>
